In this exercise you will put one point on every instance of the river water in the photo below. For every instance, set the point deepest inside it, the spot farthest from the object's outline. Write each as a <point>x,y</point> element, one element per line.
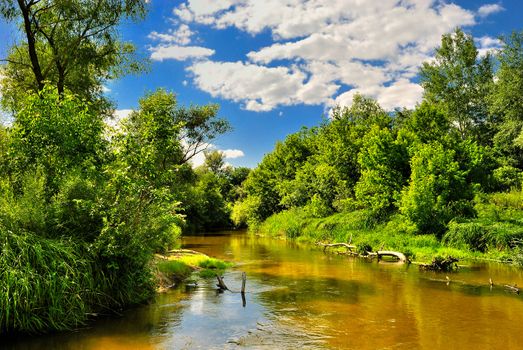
<point>300,298</point>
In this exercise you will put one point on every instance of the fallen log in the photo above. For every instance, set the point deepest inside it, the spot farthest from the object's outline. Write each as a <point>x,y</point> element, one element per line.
<point>184,251</point>
<point>513,288</point>
<point>400,256</point>
<point>349,247</point>
<point>439,263</point>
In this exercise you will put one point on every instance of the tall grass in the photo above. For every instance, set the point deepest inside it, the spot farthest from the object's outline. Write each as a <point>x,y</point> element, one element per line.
<point>44,284</point>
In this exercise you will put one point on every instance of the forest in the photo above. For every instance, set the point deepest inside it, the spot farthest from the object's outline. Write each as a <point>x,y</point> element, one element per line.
<point>86,200</point>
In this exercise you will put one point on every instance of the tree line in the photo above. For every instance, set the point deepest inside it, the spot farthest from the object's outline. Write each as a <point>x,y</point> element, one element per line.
<point>428,164</point>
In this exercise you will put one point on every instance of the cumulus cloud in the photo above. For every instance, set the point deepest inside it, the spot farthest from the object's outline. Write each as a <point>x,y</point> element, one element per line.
<point>199,158</point>
<point>181,36</point>
<point>488,9</point>
<point>324,51</point>
<point>259,88</point>
<point>400,93</point>
<point>179,53</point>
<point>232,153</point>
<point>487,44</point>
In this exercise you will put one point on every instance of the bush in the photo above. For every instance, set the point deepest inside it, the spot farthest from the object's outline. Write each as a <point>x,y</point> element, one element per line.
<point>508,177</point>
<point>437,191</point>
<point>471,235</point>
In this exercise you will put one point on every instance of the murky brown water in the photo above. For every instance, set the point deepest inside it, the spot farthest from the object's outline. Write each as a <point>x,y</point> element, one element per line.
<point>302,298</point>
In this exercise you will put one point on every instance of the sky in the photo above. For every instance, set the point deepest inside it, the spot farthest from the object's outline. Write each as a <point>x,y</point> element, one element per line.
<point>275,66</point>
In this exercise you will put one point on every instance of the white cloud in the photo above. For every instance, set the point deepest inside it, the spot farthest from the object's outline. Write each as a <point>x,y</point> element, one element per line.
<point>401,93</point>
<point>181,36</point>
<point>259,88</point>
<point>325,50</point>
<point>487,44</point>
<point>199,158</point>
<point>232,153</point>
<point>489,9</point>
<point>180,53</point>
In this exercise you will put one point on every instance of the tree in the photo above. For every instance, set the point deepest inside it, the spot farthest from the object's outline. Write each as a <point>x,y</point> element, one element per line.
<point>459,80</point>
<point>506,101</point>
<point>56,132</point>
<point>214,161</point>
<point>383,164</point>
<point>161,136</point>
<point>68,43</point>
<point>429,123</point>
<point>437,191</point>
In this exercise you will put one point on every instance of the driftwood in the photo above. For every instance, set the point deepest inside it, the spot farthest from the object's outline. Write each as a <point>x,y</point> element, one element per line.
<point>441,264</point>
<point>513,288</point>
<point>184,251</point>
<point>400,256</point>
<point>348,246</point>
<point>221,285</point>
<point>380,253</point>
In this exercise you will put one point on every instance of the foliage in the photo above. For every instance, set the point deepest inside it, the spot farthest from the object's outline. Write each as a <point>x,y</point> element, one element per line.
<point>505,100</point>
<point>71,45</point>
<point>384,165</point>
<point>45,284</point>
<point>437,191</point>
<point>459,81</point>
<point>177,270</point>
<point>56,133</point>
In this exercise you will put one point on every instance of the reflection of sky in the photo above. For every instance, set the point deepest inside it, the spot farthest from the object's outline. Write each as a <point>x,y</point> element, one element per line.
<point>212,319</point>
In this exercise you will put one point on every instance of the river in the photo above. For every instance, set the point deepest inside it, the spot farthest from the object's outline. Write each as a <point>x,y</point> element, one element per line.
<point>299,297</point>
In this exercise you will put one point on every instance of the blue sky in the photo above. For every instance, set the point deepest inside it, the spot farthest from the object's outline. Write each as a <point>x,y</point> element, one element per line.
<point>277,65</point>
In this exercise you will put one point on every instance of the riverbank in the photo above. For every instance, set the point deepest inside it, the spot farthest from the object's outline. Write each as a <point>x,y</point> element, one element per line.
<point>179,265</point>
<point>494,234</point>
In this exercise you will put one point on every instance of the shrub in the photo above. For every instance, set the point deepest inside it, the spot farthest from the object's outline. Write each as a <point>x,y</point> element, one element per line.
<point>508,177</point>
<point>472,235</point>
<point>437,191</point>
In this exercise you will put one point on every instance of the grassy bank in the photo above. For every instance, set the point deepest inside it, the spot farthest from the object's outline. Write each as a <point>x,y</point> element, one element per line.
<point>493,234</point>
<point>181,264</point>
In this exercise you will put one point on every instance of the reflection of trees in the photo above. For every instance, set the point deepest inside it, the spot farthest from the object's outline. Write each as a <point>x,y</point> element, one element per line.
<point>304,290</point>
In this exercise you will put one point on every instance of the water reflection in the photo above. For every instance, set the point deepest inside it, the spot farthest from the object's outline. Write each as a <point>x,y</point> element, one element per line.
<point>298,297</point>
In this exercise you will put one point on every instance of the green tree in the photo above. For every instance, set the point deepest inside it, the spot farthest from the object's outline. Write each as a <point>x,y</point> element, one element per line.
<point>459,81</point>
<point>70,44</point>
<point>429,123</point>
<point>384,164</point>
<point>437,191</point>
<point>161,137</point>
<point>58,133</point>
<point>214,161</point>
<point>506,101</point>
<point>268,183</point>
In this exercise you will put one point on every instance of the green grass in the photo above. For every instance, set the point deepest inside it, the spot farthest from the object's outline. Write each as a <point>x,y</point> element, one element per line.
<point>177,270</point>
<point>491,235</point>
<point>181,267</point>
<point>45,284</point>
